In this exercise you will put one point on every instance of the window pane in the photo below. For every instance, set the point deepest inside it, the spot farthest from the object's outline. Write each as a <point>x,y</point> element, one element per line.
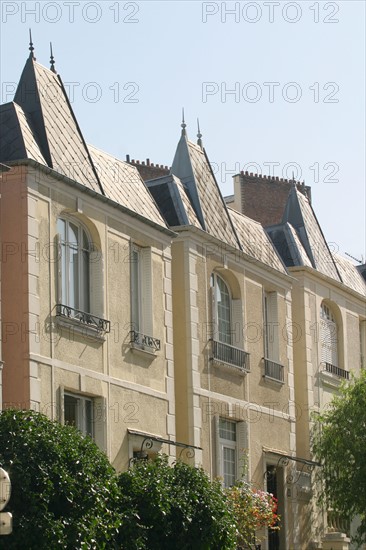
<point>71,410</point>
<point>223,311</point>
<point>64,275</point>
<point>73,232</point>
<point>61,229</point>
<point>85,293</point>
<point>227,430</point>
<point>74,278</point>
<point>229,466</point>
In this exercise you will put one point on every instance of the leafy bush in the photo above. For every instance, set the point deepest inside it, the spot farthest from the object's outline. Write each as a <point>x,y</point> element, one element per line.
<point>64,491</point>
<point>174,507</point>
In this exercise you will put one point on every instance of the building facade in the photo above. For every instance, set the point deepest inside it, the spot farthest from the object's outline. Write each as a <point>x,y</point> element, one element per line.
<point>141,306</point>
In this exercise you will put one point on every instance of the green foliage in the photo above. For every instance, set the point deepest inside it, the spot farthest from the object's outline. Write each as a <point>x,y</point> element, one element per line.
<point>340,445</point>
<point>174,507</point>
<point>64,491</point>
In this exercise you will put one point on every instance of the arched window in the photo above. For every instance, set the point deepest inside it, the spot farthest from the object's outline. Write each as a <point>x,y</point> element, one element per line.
<point>74,267</point>
<point>222,309</point>
<point>328,336</point>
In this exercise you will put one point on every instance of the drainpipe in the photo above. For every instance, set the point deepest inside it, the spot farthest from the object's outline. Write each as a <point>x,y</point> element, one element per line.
<point>1,384</point>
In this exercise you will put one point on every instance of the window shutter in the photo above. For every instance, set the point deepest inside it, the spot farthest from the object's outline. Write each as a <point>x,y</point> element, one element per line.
<point>146,292</point>
<point>237,324</point>
<point>60,397</point>
<point>242,446</point>
<point>58,265</point>
<point>96,269</point>
<point>100,422</point>
<point>217,446</point>
<point>329,344</point>
<point>212,328</point>
<point>271,330</point>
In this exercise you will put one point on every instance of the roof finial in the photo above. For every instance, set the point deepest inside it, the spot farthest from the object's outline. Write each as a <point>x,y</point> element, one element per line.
<point>184,125</point>
<point>52,60</point>
<point>293,179</point>
<point>199,135</point>
<point>31,49</point>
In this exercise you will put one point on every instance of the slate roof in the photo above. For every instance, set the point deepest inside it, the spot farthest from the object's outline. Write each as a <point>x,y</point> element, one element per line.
<point>192,167</point>
<point>300,242</point>
<point>42,96</point>
<point>173,201</point>
<point>122,183</point>
<point>350,274</point>
<point>40,125</point>
<point>17,139</point>
<point>255,241</point>
<point>301,216</point>
<point>288,245</point>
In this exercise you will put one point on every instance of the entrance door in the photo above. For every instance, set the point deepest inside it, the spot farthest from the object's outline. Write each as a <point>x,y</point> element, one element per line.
<point>276,538</point>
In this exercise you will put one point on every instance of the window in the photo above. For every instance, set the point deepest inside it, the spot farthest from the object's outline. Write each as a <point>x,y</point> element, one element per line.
<point>74,265</point>
<point>273,370</point>
<point>227,341</point>
<point>222,310</point>
<point>328,337</point>
<point>79,413</point>
<point>80,279</point>
<point>231,446</point>
<point>270,318</point>
<point>141,299</point>
<point>86,413</point>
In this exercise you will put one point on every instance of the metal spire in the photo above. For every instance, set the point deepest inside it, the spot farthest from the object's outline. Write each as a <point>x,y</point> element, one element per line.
<point>183,125</point>
<point>52,60</point>
<point>199,135</point>
<point>31,49</point>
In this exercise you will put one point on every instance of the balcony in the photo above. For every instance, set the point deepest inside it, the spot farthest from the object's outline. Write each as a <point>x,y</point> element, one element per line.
<point>143,341</point>
<point>337,523</point>
<point>231,356</point>
<point>332,369</point>
<point>82,319</point>
<point>274,371</point>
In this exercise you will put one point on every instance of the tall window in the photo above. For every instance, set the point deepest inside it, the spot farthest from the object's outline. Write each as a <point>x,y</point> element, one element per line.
<point>270,318</point>
<point>79,413</point>
<point>227,432</point>
<point>222,309</point>
<point>141,292</point>
<point>74,265</point>
<point>328,336</point>
<point>231,449</point>
<point>136,295</point>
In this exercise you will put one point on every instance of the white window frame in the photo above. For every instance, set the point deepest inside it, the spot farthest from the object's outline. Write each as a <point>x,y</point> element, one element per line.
<point>239,445</point>
<point>82,300</point>
<point>231,445</point>
<point>81,421</point>
<point>99,413</point>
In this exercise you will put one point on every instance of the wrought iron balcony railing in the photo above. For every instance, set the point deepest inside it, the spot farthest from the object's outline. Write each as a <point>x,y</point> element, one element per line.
<point>87,319</point>
<point>341,373</point>
<point>144,340</point>
<point>273,370</point>
<point>230,355</point>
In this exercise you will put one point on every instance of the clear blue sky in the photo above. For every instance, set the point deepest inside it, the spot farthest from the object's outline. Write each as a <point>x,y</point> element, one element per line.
<point>296,71</point>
